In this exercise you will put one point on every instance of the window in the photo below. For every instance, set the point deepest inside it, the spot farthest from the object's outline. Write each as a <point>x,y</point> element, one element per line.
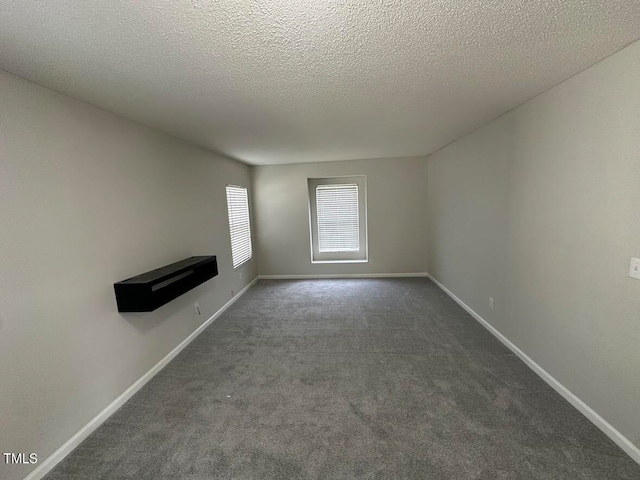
<point>338,222</point>
<point>239,226</point>
<point>337,210</point>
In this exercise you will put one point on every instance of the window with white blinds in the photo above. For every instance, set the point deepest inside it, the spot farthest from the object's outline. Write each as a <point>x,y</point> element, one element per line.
<point>239,227</point>
<point>338,218</point>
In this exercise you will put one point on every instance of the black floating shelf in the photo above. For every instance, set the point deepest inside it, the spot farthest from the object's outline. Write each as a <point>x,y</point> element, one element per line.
<point>151,290</point>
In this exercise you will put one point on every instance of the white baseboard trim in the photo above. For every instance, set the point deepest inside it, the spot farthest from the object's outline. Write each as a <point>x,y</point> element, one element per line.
<point>623,442</point>
<point>341,275</point>
<point>47,465</point>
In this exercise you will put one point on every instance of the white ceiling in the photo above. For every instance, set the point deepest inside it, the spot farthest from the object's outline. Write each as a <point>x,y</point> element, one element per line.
<point>285,81</point>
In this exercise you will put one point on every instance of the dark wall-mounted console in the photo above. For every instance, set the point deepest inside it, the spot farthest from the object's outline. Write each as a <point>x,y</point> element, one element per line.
<point>151,290</point>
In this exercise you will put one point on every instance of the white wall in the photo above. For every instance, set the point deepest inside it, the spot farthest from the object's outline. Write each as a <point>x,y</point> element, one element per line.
<point>396,194</point>
<point>539,209</point>
<point>87,199</point>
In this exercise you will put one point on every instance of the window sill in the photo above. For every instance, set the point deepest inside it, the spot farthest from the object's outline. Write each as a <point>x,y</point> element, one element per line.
<point>340,261</point>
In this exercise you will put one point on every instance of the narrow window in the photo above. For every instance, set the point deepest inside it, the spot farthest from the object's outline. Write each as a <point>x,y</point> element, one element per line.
<point>239,225</point>
<point>338,219</point>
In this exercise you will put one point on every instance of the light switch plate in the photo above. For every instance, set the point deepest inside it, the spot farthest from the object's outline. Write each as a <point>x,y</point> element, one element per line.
<point>634,268</point>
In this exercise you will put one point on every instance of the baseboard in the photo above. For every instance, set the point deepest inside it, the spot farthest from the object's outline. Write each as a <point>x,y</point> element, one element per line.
<point>623,442</point>
<point>341,275</point>
<point>48,464</point>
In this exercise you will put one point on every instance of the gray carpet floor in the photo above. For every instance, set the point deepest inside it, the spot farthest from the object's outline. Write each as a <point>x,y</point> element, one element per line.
<point>339,379</point>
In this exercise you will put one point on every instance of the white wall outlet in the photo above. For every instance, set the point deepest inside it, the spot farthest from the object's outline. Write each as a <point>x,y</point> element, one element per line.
<point>240,274</point>
<point>233,293</point>
<point>490,302</point>
<point>196,307</point>
<point>634,268</point>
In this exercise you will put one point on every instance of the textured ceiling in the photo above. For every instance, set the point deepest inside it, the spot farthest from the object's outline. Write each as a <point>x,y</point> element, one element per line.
<point>280,81</point>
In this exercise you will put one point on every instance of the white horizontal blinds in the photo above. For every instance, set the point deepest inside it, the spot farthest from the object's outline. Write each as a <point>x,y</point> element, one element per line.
<point>338,219</point>
<point>238,206</point>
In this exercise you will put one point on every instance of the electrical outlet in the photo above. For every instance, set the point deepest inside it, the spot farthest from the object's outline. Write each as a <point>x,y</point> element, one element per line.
<point>634,268</point>
<point>490,302</point>
<point>233,293</point>
<point>196,307</point>
<point>240,274</point>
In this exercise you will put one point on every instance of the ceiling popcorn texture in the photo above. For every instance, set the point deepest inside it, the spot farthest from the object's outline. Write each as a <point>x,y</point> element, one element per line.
<point>282,81</point>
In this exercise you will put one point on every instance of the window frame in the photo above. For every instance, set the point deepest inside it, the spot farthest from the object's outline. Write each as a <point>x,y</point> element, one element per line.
<point>246,190</point>
<point>362,255</point>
